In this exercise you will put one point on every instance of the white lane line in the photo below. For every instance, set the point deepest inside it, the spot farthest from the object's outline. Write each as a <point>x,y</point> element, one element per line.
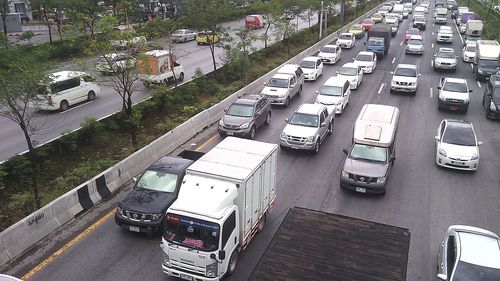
<point>394,59</point>
<point>432,63</point>
<point>401,44</point>
<point>478,84</point>
<point>380,89</point>
<point>433,33</point>
<point>73,108</point>
<point>432,45</point>
<point>430,92</point>
<point>458,31</point>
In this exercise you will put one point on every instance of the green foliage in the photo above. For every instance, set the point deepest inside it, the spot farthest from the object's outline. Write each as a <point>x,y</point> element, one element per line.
<point>81,173</point>
<point>27,35</point>
<point>165,127</point>
<point>89,128</point>
<point>22,202</point>
<point>18,170</point>
<point>68,142</point>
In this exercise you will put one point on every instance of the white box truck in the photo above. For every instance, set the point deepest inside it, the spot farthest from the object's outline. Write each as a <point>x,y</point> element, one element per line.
<point>473,31</point>
<point>158,66</point>
<point>222,204</point>
<point>487,59</point>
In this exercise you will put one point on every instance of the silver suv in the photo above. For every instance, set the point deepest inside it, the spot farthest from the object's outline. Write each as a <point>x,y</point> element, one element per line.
<point>281,88</point>
<point>307,128</point>
<point>405,78</point>
<point>245,116</point>
<point>445,58</point>
<point>469,253</point>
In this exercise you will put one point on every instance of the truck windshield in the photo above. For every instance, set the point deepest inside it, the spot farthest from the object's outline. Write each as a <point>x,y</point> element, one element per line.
<point>278,83</point>
<point>368,152</point>
<point>192,233</point>
<point>375,42</point>
<point>455,87</point>
<point>488,63</point>
<point>302,119</point>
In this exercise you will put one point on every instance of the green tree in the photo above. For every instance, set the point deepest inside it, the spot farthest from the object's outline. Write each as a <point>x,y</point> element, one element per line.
<point>46,8</point>
<point>237,50</point>
<point>4,10</point>
<point>85,12</point>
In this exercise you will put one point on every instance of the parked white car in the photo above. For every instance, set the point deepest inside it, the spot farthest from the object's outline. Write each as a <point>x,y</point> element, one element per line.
<point>312,68</point>
<point>444,34</point>
<point>330,54</point>
<point>367,61</point>
<point>334,94</point>
<point>469,53</point>
<point>281,88</point>
<point>456,145</point>
<point>353,73</point>
<point>453,94</point>
<point>183,35</point>
<point>405,78</point>
<point>115,63</point>
<point>346,40</point>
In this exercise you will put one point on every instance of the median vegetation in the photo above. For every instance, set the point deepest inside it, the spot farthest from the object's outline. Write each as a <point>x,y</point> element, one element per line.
<point>485,12</point>
<point>76,157</point>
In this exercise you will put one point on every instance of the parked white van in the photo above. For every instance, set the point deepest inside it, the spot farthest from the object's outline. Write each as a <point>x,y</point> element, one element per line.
<point>66,88</point>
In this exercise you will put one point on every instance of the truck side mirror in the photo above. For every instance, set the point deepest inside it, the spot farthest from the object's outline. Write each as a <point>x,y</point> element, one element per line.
<point>265,83</point>
<point>393,158</point>
<point>439,87</point>
<point>346,152</point>
<point>442,277</point>
<point>317,92</point>
<point>134,179</point>
<point>470,90</point>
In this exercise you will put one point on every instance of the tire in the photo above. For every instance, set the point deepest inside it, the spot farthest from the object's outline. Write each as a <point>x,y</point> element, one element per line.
<point>185,40</point>
<point>300,91</point>
<point>261,223</point>
<point>233,261</point>
<point>91,96</point>
<point>251,135</point>
<point>330,128</point>
<point>181,77</point>
<point>316,147</point>
<point>287,102</point>
<point>268,119</point>
<point>64,105</point>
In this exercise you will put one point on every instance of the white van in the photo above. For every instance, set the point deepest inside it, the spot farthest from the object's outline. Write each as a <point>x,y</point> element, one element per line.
<point>66,88</point>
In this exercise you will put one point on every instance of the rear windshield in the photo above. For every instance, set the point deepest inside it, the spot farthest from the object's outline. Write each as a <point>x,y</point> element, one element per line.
<point>345,36</point>
<point>415,42</point>
<point>376,42</point>
<point>363,57</point>
<point>308,64</point>
<point>328,50</point>
<point>350,71</point>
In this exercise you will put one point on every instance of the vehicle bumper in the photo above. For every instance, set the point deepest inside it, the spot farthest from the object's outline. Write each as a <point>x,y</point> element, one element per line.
<point>297,145</point>
<point>234,132</point>
<point>310,77</point>
<point>170,271</point>
<point>403,88</point>
<point>444,40</point>
<point>46,106</point>
<point>371,188</point>
<point>452,105</point>
<point>467,165</point>
<point>414,52</point>
<point>138,226</point>
<point>353,85</point>
<point>467,59</point>
<point>367,69</point>
<point>328,59</point>
<point>345,45</point>
<point>445,66</point>
<point>492,114</point>
<point>276,99</point>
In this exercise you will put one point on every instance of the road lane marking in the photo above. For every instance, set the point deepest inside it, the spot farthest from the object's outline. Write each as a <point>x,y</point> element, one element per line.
<point>84,233</point>
<point>380,89</point>
<point>433,33</point>
<point>432,63</point>
<point>432,45</point>
<point>478,84</point>
<point>75,107</point>
<point>394,59</point>
<point>401,44</point>
<point>430,92</point>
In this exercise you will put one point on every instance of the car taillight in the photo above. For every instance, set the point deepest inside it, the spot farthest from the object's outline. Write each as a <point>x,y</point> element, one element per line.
<point>49,98</point>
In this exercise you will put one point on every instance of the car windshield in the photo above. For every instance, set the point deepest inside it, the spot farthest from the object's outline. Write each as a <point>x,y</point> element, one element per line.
<point>308,64</point>
<point>364,57</point>
<point>240,110</point>
<point>407,72</point>
<point>179,32</point>
<point>470,48</point>
<point>331,91</point>
<point>488,63</point>
<point>375,42</point>
<point>415,42</point>
<point>303,119</point>
<point>367,21</point>
<point>278,83</point>
<point>413,31</point>
<point>345,36</point>
<point>455,87</point>
<point>349,71</point>
<point>446,55</point>
<point>192,233</point>
<point>158,181</point>
<point>328,50</point>
<point>368,152</point>
<point>459,135</point>
<point>357,27</point>
<point>447,31</point>
<point>419,19</point>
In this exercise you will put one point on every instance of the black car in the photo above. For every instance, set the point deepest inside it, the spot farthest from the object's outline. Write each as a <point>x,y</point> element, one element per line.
<point>143,208</point>
<point>491,97</point>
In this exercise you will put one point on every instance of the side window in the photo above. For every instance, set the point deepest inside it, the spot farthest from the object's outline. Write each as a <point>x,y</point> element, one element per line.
<point>318,63</point>
<point>88,78</point>
<point>228,228</point>
<point>300,72</point>
<point>346,86</point>
<point>292,80</point>
<point>74,82</point>
<point>443,125</point>
<point>450,255</point>
<point>322,117</point>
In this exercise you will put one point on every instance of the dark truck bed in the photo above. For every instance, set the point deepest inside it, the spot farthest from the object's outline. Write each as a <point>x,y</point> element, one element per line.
<point>313,245</point>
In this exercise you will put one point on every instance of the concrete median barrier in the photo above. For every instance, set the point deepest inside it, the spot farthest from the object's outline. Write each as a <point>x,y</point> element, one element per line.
<point>66,207</point>
<point>4,257</point>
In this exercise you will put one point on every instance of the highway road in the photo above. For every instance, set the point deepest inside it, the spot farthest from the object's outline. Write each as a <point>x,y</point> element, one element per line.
<point>53,124</point>
<point>420,196</point>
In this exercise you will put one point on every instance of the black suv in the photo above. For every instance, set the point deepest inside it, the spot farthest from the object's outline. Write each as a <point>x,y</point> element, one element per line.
<point>245,115</point>
<point>144,207</point>
<point>491,97</point>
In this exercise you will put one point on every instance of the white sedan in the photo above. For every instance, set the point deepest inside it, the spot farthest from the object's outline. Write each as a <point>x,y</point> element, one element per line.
<point>346,40</point>
<point>330,54</point>
<point>367,61</point>
<point>456,145</point>
<point>352,73</point>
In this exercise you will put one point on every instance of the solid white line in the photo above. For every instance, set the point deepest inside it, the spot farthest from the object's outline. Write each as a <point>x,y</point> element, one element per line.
<point>430,92</point>
<point>433,33</point>
<point>73,108</point>
<point>432,45</point>
<point>458,31</point>
<point>401,43</point>
<point>432,63</point>
<point>380,89</point>
<point>478,84</point>
<point>394,59</point>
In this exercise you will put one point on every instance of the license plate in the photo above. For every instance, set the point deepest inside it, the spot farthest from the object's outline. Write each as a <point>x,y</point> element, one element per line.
<point>457,163</point>
<point>453,108</point>
<point>134,228</point>
<point>295,147</point>
<point>360,189</point>
<point>186,277</point>
<point>230,133</point>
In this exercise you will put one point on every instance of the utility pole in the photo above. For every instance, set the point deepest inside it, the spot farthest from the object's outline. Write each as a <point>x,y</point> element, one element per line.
<point>326,17</point>
<point>321,21</point>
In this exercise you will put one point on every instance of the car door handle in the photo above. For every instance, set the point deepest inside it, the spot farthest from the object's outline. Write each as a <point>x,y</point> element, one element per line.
<point>442,265</point>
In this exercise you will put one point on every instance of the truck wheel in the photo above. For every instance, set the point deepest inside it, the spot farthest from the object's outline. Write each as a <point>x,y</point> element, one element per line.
<point>181,77</point>
<point>330,128</point>
<point>231,267</point>
<point>64,105</point>
<point>261,223</point>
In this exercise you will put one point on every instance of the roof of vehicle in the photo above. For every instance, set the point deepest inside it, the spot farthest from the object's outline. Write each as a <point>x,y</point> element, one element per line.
<point>404,65</point>
<point>330,46</point>
<point>288,68</point>
<point>347,33</point>
<point>480,249</point>
<point>312,58</point>
<point>350,65</point>
<point>367,19</point>
<point>65,75</point>
<point>157,53</point>
<point>282,76</point>
<point>310,108</point>
<point>446,50</point>
<point>335,81</point>
<point>419,8</point>
<point>415,36</point>
<point>376,125</point>
<point>172,164</point>
<point>455,80</point>
<point>443,27</point>
<point>366,53</point>
<point>249,99</point>
<point>357,25</point>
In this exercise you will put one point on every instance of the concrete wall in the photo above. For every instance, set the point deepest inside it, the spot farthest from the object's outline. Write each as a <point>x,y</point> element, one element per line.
<point>21,236</point>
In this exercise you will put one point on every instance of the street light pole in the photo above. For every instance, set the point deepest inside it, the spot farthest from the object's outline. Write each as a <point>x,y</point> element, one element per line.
<point>321,21</point>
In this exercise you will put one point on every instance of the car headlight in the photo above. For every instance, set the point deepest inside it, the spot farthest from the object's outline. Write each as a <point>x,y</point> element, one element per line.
<point>442,152</point>
<point>211,270</point>
<point>475,156</point>
<point>155,217</point>
<point>338,103</point>
<point>381,180</point>
<point>310,139</point>
<point>492,106</point>
<point>283,136</point>
<point>479,70</point>
<point>244,125</point>
<point>221,123</point>
<point>344,174</point>
<point>166,258</point>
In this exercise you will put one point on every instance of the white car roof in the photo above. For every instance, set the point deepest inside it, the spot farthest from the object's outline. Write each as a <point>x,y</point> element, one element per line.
<point>415,36</point>
<point>311,58</point>
<point>479,249</point>
<point>347,33</point>
<point>445,27</point>
<point>404,65</point>
<point>65,75</point>
<point>288,68</point>
<point>310,108</point>
<point>446,50</point>
<point>335,81</point>
<point>330,46</point>
<point>282,76</point>
<point>366,53</point>
<point>350,64</point>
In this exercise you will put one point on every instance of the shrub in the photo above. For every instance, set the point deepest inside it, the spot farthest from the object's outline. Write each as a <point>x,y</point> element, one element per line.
<point>22,202</point>
<point>90,127</point>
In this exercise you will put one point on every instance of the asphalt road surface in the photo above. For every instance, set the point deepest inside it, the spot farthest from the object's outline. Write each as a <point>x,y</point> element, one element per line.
<point>53,124</point>
<point>420,196</point>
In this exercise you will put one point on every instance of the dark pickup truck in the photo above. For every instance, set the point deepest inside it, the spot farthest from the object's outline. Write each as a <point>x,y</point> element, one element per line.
<point>379,39</point>
<point>143,208</point>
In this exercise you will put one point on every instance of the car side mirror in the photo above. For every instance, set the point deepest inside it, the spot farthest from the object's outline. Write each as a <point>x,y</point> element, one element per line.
<point>442,277</point>
<point>353,59</point>
<point>439,87</point>
<point>337,72</point>
<point>134,179</point>
<point>470,90</point>
<point>346,152</point>
<point>436,138</point>
<point>393,158</point>
<point>420,74</point>
<point>286,120</point>
<point>292,85</point>
<point>479,142</point>
<point>323,124</point>
<point>317,92</point>
<point>265,83</point>
<point>392,72</point>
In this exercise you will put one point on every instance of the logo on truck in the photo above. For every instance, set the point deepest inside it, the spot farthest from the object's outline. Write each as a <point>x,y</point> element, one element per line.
<point>187,261</point>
